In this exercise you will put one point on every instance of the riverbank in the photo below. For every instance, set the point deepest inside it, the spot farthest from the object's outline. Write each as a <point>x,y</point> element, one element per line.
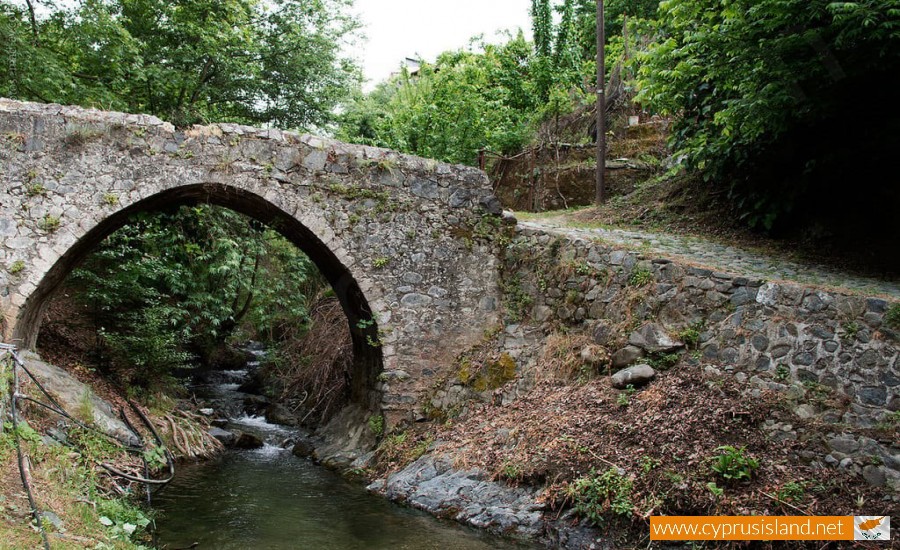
<point>623,385</point>
<point>85,451</point>
<point>268,497</point>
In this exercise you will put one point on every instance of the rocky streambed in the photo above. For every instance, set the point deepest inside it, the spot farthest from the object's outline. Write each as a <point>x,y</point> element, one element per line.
<point>260,494</point>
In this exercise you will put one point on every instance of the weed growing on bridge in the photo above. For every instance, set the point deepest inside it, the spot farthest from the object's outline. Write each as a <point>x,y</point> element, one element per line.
<point>14,138</point>
<point>17,267</point>
<point>50,223</point>
<point>380,262</point>
<point>851,328</point>
<point>382,164</point>
<point>109,199</point>
<point>373,341</point>
<point>81,136</point>
<point>183,154</point>
<point>224,163</point>
<point>363,324</point>
<point>36,190</point>
<point>353,193</point>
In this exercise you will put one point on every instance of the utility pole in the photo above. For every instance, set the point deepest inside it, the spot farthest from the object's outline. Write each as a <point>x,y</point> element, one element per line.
<point>600,190</point>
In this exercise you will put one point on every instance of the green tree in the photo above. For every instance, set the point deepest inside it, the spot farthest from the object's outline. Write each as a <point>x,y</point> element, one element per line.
<point>542,27</point>
<point>450,110</point>
<point>188,61</point>
<point>760,90</point>
<point>614,11</point>
<point>169,287</point>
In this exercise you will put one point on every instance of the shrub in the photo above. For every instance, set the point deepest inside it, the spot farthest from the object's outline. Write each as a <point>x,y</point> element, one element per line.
<point>733,464</point>
<point>376,425</point>
<point>691,335</point>
<point>597,494</point>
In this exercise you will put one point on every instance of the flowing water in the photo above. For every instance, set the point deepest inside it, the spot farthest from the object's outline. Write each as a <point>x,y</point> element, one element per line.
<point>269,499</point>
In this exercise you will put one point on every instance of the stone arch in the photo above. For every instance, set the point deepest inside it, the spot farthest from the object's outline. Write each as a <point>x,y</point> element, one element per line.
<point>367,359</point>
<point>407,239</point>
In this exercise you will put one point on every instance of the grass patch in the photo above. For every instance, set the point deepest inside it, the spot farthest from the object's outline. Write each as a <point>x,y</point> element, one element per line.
<point>641,276</point>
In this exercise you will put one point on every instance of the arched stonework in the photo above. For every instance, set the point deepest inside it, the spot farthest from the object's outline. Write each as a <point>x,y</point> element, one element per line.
<point>392,233</point>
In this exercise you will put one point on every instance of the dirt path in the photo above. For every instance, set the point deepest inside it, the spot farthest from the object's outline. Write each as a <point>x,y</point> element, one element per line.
<point>722,257</point>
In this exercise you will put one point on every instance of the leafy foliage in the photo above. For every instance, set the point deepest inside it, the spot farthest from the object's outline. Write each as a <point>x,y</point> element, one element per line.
<point>188,61</point>
<point>599,493</point>
<point>450,110</point>
<point>169,287</point>
<point>760,89</point>
<point>733,464</point>
<point>491,96</point>
<point>892,316</point>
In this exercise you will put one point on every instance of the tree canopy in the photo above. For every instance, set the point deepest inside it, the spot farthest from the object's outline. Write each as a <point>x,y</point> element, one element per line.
<point>450,109</point>
<point>188,61</point>
<point>490,96</point>
<point>763,92</point>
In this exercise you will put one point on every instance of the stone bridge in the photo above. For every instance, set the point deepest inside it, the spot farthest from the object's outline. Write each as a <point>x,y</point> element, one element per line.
<point>395,235</point>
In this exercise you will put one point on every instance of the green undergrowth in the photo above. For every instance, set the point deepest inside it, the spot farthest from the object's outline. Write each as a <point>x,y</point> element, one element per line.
<point>68,485</point>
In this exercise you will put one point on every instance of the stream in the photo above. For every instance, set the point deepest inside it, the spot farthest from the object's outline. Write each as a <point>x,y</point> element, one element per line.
<point>267,498</point>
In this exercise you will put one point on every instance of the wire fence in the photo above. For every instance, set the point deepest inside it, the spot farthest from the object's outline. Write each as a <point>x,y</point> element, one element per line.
<point>10,366</point>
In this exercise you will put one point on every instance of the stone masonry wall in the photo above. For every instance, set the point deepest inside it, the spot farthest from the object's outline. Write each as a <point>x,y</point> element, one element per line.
<point>774,333</point>
<point>770,335</point>
<point>805,342</point>
<point>386,226</point>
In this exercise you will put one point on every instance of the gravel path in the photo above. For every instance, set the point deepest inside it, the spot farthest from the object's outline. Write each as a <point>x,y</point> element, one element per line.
<point>723,257</point>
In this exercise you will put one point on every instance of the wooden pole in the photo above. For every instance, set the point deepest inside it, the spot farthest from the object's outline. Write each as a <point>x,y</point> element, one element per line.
<point>600,190</point>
